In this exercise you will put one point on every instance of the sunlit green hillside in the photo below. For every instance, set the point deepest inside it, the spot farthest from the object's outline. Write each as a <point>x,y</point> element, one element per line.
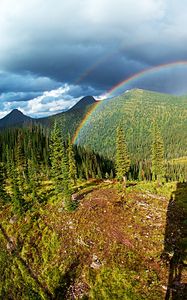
<point>135,111</point>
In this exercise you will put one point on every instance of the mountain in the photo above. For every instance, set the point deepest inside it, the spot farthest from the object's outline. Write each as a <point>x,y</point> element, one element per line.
<point>70,118</point>
<point>14,118</point>
<point>85,101</point>
<point>135,112</point>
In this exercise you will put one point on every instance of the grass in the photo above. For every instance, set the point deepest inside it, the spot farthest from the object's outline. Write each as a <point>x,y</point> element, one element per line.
<point>180,160</point>
<point>125,230</point>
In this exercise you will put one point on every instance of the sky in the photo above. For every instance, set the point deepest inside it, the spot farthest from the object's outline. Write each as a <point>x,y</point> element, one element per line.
<point>54,52</point>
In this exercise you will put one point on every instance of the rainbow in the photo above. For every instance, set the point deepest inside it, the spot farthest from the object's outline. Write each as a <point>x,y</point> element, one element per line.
<point>124,83</point>
<point>145,72</point>
<point>81,125</point>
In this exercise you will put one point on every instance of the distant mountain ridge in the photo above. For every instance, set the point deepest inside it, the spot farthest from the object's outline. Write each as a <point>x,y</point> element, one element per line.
<point>17,118</point>
<point>134,111</point>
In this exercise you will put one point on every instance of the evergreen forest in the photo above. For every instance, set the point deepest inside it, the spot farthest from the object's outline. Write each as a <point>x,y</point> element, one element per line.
<point>101,218</point>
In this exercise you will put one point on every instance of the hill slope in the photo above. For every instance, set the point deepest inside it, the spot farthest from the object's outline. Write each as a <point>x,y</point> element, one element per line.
<point>70,120</point>
<point>135,112</point>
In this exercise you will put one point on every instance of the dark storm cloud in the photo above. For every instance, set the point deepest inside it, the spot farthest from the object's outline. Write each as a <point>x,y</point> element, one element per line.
<point>25,82</point>
<point>19,96</point>
<point>86,47</point>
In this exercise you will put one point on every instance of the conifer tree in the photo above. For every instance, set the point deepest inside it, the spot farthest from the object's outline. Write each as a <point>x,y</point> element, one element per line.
<point>33,178</point>
<point>157,154</point>
<point>9,161</point>
<point>15,177</point>
<point>71,162</point>
<point>20,163</point>
<point>56,157</point>
<point>140,172</point>
<point>122,160</point>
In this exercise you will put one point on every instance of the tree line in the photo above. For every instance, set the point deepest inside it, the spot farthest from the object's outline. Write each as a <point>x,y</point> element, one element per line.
<point>30,156</point>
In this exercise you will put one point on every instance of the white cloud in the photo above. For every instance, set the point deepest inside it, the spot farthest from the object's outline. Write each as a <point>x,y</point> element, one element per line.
<point>50,102</point>
<point>4,113</point>
<point>123,11</point>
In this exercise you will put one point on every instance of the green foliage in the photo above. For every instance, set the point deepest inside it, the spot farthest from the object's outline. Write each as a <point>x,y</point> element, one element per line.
<point>112,284</point>
<point>33,179</point>
<point>41,239</point>
<point>17,195</point>
<point>134,112</point>
<point>56,157</point>
<point>157,155</point>
<point>122,158</point>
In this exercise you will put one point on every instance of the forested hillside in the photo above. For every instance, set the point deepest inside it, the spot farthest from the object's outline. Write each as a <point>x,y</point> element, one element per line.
<point>76,224</point>
<point>68,120</point>
<point>135,111</point>
<point>68,230</point>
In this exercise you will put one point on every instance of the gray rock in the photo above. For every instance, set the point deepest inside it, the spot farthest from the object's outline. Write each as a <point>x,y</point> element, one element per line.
<point>96,263</point>
<point>13,220</point>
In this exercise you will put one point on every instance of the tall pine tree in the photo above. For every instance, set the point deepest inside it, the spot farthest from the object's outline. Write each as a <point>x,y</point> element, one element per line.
<point>157,154</point>
<point>122,161</point>
<point>56,157</point>
<point>20,163</point>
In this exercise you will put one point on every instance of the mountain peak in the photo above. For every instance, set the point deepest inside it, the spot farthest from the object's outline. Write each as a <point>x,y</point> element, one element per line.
<point>82,103</point>
<point>88,99</point>
<point>15,117</point>
<point>15,111</point>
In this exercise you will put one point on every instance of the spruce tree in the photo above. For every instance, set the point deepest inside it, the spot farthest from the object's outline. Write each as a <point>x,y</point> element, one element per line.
<point>122,161</point>
<point>13,170</point>
<point>9,161</point>
<point>157,154</point>
<point>33,178</point>
<point>56,157</point>
<point>20,163</point>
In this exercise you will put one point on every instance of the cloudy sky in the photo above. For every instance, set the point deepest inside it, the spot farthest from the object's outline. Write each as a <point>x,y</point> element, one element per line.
<point>53,52</point>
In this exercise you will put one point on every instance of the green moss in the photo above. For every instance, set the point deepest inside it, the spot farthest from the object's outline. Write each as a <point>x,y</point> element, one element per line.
<point>112,284</point>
